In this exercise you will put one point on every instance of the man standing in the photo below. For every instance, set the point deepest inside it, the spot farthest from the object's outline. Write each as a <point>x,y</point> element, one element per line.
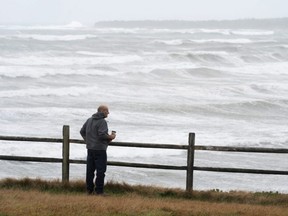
<point>95,134</point>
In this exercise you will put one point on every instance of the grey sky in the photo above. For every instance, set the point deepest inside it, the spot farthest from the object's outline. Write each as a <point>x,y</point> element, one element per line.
<point>90,11</point>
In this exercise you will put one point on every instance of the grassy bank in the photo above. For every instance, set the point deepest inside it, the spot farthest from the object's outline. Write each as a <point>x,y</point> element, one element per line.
<point>38,197</point>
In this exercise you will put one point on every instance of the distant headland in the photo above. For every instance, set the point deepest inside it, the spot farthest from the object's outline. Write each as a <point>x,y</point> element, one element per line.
<point>241,23</point>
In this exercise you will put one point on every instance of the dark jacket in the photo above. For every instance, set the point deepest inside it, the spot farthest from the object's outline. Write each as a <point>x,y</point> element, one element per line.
<point>95,132</point>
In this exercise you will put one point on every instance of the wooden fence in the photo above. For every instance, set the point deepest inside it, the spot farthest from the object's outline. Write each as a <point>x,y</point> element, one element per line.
<point>189,168</point>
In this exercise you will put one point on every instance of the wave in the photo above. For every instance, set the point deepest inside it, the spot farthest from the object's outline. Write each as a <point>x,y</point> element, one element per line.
<point>186,72</point>
<point>267,68</point>
<point>75,37</point>
<point>245,32</point>
<point>41,37</point>
<point>257,107</point>
<point>203,41</point>
<point>28,72</point>
<point>216,58</point>
<point>47,72</point>
<point>72,25</point>
<point>224,58</point>
<point>89,53</point>
<point>32,92</point>
<point>206,72</point>
<point>252,32</point>
<point>239,108</point>
<point>94,64</point>
<point>169,42</point>
<point>34,60</point>
<point>193,31</point>
<point>232,41</point>
<point>201,56</point>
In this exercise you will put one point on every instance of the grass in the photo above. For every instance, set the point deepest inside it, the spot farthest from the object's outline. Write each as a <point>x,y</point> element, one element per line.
<point>38,197</point>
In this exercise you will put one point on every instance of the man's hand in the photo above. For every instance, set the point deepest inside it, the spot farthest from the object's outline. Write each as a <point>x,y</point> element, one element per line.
<point>112,135</point>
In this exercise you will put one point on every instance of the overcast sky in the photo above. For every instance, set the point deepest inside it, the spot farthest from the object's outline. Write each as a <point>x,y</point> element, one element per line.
<point>90,11</point>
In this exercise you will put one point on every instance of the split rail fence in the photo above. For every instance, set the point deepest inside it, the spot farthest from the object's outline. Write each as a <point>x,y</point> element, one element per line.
<point>189,168</point>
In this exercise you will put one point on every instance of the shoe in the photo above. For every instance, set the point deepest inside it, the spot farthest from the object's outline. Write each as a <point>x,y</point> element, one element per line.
<point>101,194</point>
<point>90,193</point>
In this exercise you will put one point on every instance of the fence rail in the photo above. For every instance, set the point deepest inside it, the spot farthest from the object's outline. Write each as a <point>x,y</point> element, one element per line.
<point>191,147</point>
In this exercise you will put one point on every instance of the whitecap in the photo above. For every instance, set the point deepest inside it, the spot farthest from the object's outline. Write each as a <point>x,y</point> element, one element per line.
<point>49,37</point>
<point>169,42</point>
<point>89,53</point>
<point>252,32</point>
<point>213,31</point>
<point>48,91</point>
<point>33,60</point>
<point>232,41</point>
<point>74,24</point>
<point>17,72</point>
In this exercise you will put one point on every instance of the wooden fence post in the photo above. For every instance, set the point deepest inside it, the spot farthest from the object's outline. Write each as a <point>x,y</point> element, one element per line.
<point>190,162</point>
<point>65,154</point>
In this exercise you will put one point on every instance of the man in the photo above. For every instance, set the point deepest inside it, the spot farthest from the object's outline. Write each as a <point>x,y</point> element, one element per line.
<point>95,134</point>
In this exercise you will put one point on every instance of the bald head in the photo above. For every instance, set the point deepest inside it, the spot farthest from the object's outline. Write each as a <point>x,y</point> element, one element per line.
<point>103,109</point>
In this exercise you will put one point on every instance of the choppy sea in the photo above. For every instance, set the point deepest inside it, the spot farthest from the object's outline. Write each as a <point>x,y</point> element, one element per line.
<point>228,85</point>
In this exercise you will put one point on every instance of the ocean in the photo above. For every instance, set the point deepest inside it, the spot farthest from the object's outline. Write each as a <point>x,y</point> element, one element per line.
<point>226,83</point>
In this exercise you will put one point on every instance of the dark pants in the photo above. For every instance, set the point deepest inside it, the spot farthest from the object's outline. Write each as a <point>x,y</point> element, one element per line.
<point>96,161</point>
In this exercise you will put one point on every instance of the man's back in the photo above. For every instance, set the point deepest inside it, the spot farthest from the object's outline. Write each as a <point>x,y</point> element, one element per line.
<point>95,132</point>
